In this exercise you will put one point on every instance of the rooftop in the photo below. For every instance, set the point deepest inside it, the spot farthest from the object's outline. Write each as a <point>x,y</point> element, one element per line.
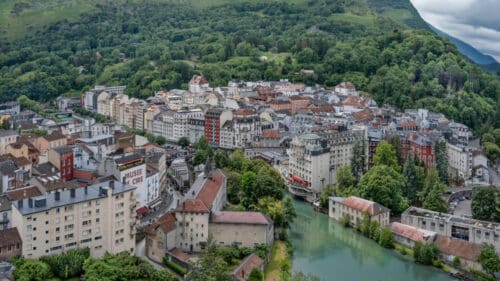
<point>22,193</point>
<point>192,206</point>
<point>458,247</point>
<point>412,233</point>
<point>243,270</point>
<point>48,201</point>
<point>165,222</point>
<point>362,205</point>
<point>240,218</point>
<point>211,187</point>
<point>9,237</point>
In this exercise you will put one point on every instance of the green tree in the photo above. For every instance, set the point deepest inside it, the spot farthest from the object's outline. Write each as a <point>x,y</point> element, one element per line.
<point>345,181</point>
<point>489,259</point>
<point>256,275</point>
<point>386,155</point>
<point>183,142</point>
<point>358,161</point>
<point>32,270</point>
<point>383,185</point>
<point>441,161</point>
<point>210,267</point>
<point>386,239</point>
<point>425,253</point>
<point>434,202</point>
<point>431,182</point>
<point>221,159</point>
<point>396,143</point>
<point>411,180</point>
<point>485,204</point>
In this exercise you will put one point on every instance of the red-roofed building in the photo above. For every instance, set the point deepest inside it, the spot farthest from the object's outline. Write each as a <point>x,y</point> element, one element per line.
<point>243,270</point>
<point>298,103</point>
<point>160,237</point>
<point>408,235</point>
<point>280,105</point>
<point>245,229</point>
<point>355,208</point>
<point>10,244</point>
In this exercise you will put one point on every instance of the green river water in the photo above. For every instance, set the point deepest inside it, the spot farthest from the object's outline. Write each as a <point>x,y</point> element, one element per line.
<point>332,252</point>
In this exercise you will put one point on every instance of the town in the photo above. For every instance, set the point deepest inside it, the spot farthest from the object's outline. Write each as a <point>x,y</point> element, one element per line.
<point>116,174</point>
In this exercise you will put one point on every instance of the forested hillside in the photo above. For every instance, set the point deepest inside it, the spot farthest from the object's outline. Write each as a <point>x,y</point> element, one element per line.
<point>153,45</point>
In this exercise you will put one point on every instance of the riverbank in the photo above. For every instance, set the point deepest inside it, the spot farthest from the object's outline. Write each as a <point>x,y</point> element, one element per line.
<point>279,263</point>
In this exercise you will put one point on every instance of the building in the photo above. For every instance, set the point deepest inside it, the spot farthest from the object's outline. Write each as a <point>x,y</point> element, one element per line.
<point>422,147</point>
<point>196,129</point>
<point>7,137</point>
<point>131,169</point>
<point>52,140</point>
<point>408,235</point>
<point>62,158</point>
<point>346,89</point>
<point>468,252</point>
<point>467,229</point>
<point>459,160</point>
<point>299,102</point>
<point>160,237</point>
<point>101,217</point>
<point>198,84</point>
<point>243,270</point>
<point>245,229</point>
<point>374,139</point>
<point>5,213</point>
<point>309,166</point>
<point>10,108</point>
<point>10,244</point>
<point>213,125</point>
<point>355,209</point>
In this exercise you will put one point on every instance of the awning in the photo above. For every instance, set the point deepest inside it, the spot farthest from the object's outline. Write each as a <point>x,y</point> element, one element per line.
<point>142,210</point>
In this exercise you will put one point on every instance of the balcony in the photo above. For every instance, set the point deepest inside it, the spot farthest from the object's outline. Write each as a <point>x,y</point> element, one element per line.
<point>299,190</point>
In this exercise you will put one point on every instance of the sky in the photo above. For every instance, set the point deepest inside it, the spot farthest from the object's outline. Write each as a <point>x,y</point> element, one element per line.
<point>476,22</point>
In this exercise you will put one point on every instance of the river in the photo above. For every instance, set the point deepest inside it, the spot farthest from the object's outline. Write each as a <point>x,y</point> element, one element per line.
<point>332,252</point>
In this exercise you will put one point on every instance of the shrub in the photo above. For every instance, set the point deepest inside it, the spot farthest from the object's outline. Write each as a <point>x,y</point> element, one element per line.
<point>456,261</point>
<point>175,267</point>
<point>403,251</point>
<point>345,220</point>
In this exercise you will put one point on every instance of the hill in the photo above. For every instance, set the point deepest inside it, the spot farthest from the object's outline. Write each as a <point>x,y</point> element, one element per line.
<point>379,45</point>
<point>466,49</point>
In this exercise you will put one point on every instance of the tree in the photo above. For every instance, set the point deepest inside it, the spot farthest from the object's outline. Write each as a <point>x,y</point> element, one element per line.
<point>431,183</point>
<point>210,267</point>
<point>385,238</point>
<point>221,159</point>
<point>383,185</point>
<point>485,205</point>
<point>434,202</point>
<point>489,259</point>
<point>345,181</point>
<point>358,161</point>
<point>411,180</point>
<point>183,142</point>
<point>396,143</point>
<point>32,270</point>
<point>441,160</point>
<point>256,275</point>
<point>6,124</point>
<point>425,253</point>
<point>68,264</point>
<point>299,276</point>
<point>386,155</point>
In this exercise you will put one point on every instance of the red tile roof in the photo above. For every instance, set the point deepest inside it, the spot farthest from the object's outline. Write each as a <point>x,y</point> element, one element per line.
<point>197,79</point>
<point>211,188</point>
<point>23,193</point>
<point>458,247</point>
<point>267,134</point>
<point>9,237</point>
<point>244,112</point>
<point>55,135</point>
<point>242,272</point>
<point>240,218</point>
<point>412,233</point>
<point>193,206</point>
<point>354,101</point>
<point>363,205</point>
<point>363,116</point>
<point>180,255</point>
<point>166,223</point>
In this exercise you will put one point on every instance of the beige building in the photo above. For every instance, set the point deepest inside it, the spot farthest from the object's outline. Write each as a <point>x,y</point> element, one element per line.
<point>192,218</point>
<point>355,208</point>
<point>467,229</point>
<point>160,237</point>
<point>245,229</point>
<point>7,137</point>
<point>459,160</point>
<point>101,217</point>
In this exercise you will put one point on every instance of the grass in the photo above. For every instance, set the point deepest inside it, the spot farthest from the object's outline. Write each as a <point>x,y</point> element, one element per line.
<point>399,15</point>
<point>278,254</point>
<point>175,267</point>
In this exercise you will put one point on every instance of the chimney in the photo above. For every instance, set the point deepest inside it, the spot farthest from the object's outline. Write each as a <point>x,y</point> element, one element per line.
<point>30,203</point>
<point>57,196</point>
<point>86,190</point>
<point>72,193</point>
<point>112,184</point>
<point>20,204</point>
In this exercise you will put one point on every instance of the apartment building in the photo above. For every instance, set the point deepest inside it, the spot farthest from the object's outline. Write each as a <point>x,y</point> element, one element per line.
<point>101,217</point>
<point>309,166</point>
<point>62,158</point>
<point>355,209</point>
<point>459,159</point>
<point>7,137</point>
<point>464,228</point>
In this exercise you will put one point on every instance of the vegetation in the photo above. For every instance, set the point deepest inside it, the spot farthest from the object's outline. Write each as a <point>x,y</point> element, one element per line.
<point>425,253</point>
<point>131,43</point>
<point>279,256</point>
<point>256,275</point>
<point>203,151</point>
<point>489,259</point>
<point>175,267</point>
<point>371,229</point>
<point>76,263</point>
<point>485,204</point>
<point>441,160</point>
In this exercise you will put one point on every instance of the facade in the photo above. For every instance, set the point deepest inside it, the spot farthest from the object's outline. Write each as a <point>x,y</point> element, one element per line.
<point>101,217</point>
<point>7,137</point>
<point>407,235</point>
<point>131,169</point>
<point>10,244</point>
<point>309,162</point>
<point>160,237</point>
<point>422,148</point>
<point>62,158</point>
<point>459,159</point>
<point>245,229</point>
<point>192,218</point>
<point>196,129</point>
<point>474,231</point>
<point>213,125</point>
<point>355,208</point>
<point>52,140</point>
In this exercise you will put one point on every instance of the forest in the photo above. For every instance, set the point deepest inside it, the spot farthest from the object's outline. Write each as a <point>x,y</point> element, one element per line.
<point>154,45</point>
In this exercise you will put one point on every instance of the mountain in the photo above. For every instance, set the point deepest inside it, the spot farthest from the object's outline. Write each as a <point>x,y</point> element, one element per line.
<point>466,49</point>
<point>55,47</point>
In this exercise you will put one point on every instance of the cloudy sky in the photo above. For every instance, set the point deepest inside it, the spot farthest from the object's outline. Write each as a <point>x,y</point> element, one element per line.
<point>476,22</point>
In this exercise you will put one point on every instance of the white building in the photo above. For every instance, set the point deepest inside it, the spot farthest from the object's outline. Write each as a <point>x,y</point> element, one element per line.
<point>355,208</point>
<point>459,160</point>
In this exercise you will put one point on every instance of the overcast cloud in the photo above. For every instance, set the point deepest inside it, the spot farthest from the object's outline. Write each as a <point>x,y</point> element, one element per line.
<point>476,22</point>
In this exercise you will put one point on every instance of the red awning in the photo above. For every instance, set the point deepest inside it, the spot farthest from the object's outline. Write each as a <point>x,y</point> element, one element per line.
<point>297,179</point>
<point>142,210</point>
